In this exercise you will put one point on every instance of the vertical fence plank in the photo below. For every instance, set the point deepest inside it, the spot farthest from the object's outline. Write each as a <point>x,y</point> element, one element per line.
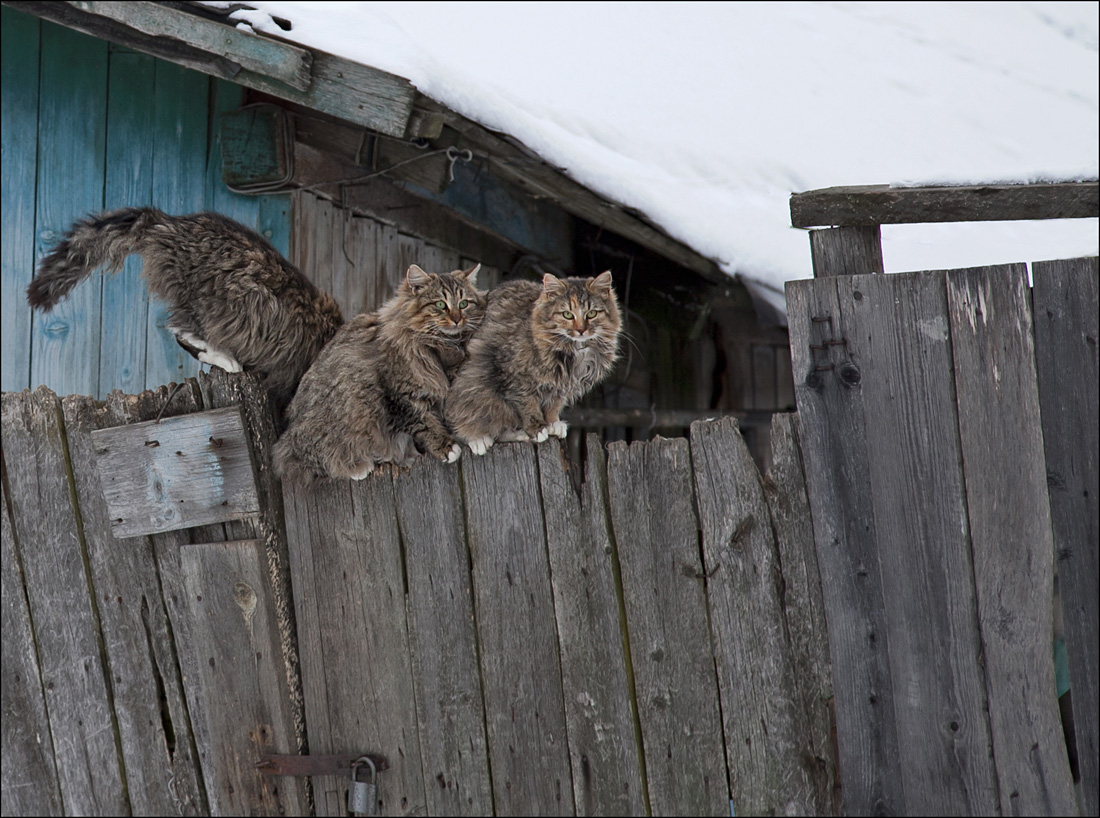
<point>835,457</point>
<point>19,55</point>
<point>1006,495</point>
<point>657,536</point>
<point>603,748</point>
<point>128,182</point>
<point>902,348</point>
<point>28,778</point>
<point>803,605</point>
<point>1066,332</point>
<point>71,135</point>
<point>763,718</point>
<point>356,670</point>
<point>63,614</point>
<point>233,669</point>
<point>520,665</point>
<point>443,640</point>
<point>162,773</point>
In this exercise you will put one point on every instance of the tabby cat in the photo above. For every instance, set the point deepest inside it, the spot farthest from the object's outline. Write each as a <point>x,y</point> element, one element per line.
<point>538,349</point>
<point>375,394</point>
<point>235,302</point>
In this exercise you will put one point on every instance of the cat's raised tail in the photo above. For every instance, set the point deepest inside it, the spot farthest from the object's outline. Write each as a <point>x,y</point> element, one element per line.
<point>94,242</point>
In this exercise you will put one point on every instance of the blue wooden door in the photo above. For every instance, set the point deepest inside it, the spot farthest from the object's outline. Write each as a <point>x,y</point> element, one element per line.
<point>89,126</point>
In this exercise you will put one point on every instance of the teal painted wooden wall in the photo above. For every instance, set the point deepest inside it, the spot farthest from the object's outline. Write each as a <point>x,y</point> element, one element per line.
<point>89,126</point>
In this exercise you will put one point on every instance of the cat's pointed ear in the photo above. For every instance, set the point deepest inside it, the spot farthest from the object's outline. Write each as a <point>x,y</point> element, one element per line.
<point>552,285</point>
<point>471,275</point>
<point>599,284</point>
<point>416,278</point>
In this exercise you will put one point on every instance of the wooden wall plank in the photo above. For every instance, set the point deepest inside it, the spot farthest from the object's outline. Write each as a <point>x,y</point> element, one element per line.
<point>179,140</point>
<point>763,717</point>
<point>71,138</point>
<point>604,751</point>
<point>234,677</point>
<point>28,778</point>
<point>361,242</point>
<point>900,344</point>
<point>162,772</point>
<point>674,673</point>
<point>1066,331</point>
<point>443,640</point>
<point>356,670</point>
<point>128,181</point>
<point>845,251</point>
<point>1006,496</point>
<point>803,606</point>
<point>78,698</point>
<point>520,665</point>
<point>835,458</point>
<point>19,56</point>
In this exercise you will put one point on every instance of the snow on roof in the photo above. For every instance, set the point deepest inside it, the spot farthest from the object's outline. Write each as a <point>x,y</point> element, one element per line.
<point>707,116</point>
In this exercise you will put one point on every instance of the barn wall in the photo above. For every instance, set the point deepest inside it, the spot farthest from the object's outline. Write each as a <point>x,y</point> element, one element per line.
<point>89,126</point>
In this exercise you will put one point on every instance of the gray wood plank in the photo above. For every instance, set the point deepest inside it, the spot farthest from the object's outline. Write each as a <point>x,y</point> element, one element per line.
<point>604,751</point>
<point>234,678</point>
<point>1006,496</point>
<point>845,251</point>
<point>1066,329</point>
<point>517,637</point>
<point>78,699</point>
<point>162,774</point>
<point>179,473</point>
<point>28,778</point>
<point>803,605</point>
<point>349,588</point>
<point>882,204</point>
<point>279,61</point>
<point>765,724</point>
<point>443,640</point>
<point>657,537</point>
<point>898,338</point>
<point>835,458</point>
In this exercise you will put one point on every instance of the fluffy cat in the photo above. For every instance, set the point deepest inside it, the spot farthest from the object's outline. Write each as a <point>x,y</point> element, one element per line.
<point>235,301</point>
<point>538,348</point>
<point>375,394</point>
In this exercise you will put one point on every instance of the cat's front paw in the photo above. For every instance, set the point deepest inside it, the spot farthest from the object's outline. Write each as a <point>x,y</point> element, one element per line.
<point>480,445</point>
<point>453,455</point>
<point>559,428</point>
<point>220,360</point>
<point>542,435</point>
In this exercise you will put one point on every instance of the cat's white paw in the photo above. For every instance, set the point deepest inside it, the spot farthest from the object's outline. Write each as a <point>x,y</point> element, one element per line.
<point>559,428</point>
<point>362,473</point>
<point>220,360</point>
<point>544,434</point>
<point>515,436</point>
<point>480,445</point>
<point>453,454</point>
<point>192,340</point>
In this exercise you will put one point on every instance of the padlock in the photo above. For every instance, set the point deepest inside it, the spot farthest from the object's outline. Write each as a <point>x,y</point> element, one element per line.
<point>363,795</point>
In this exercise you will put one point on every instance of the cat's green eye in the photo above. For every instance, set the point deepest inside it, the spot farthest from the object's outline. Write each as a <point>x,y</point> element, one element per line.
<point>568,316</point>
<point>463,304</point>
<point>592,313</point>
<point>442,305</point>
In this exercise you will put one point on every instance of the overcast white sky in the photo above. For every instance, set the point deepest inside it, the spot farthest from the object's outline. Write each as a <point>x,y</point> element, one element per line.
<point>707,116</point>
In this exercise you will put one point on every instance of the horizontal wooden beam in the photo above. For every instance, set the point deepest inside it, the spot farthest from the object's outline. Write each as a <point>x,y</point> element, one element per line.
<point>359,94</point>
<point>657,418</point>
<point>881,204</point>
<point>280,61</point>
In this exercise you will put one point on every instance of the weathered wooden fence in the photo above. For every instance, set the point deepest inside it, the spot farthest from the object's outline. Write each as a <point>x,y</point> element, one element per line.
<point>652,644</point>
<point>925,401</point>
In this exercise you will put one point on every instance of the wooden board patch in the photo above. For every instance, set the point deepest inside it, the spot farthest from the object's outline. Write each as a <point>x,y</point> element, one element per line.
<point>182,472</point>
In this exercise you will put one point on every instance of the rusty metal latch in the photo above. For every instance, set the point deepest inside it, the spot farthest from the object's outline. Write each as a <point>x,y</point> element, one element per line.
<point>338,764</point>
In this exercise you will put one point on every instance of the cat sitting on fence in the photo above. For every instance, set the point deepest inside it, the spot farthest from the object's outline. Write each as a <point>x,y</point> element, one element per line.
<point>235,302</point>
<point>375,394</point>
<point>538,348</point>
